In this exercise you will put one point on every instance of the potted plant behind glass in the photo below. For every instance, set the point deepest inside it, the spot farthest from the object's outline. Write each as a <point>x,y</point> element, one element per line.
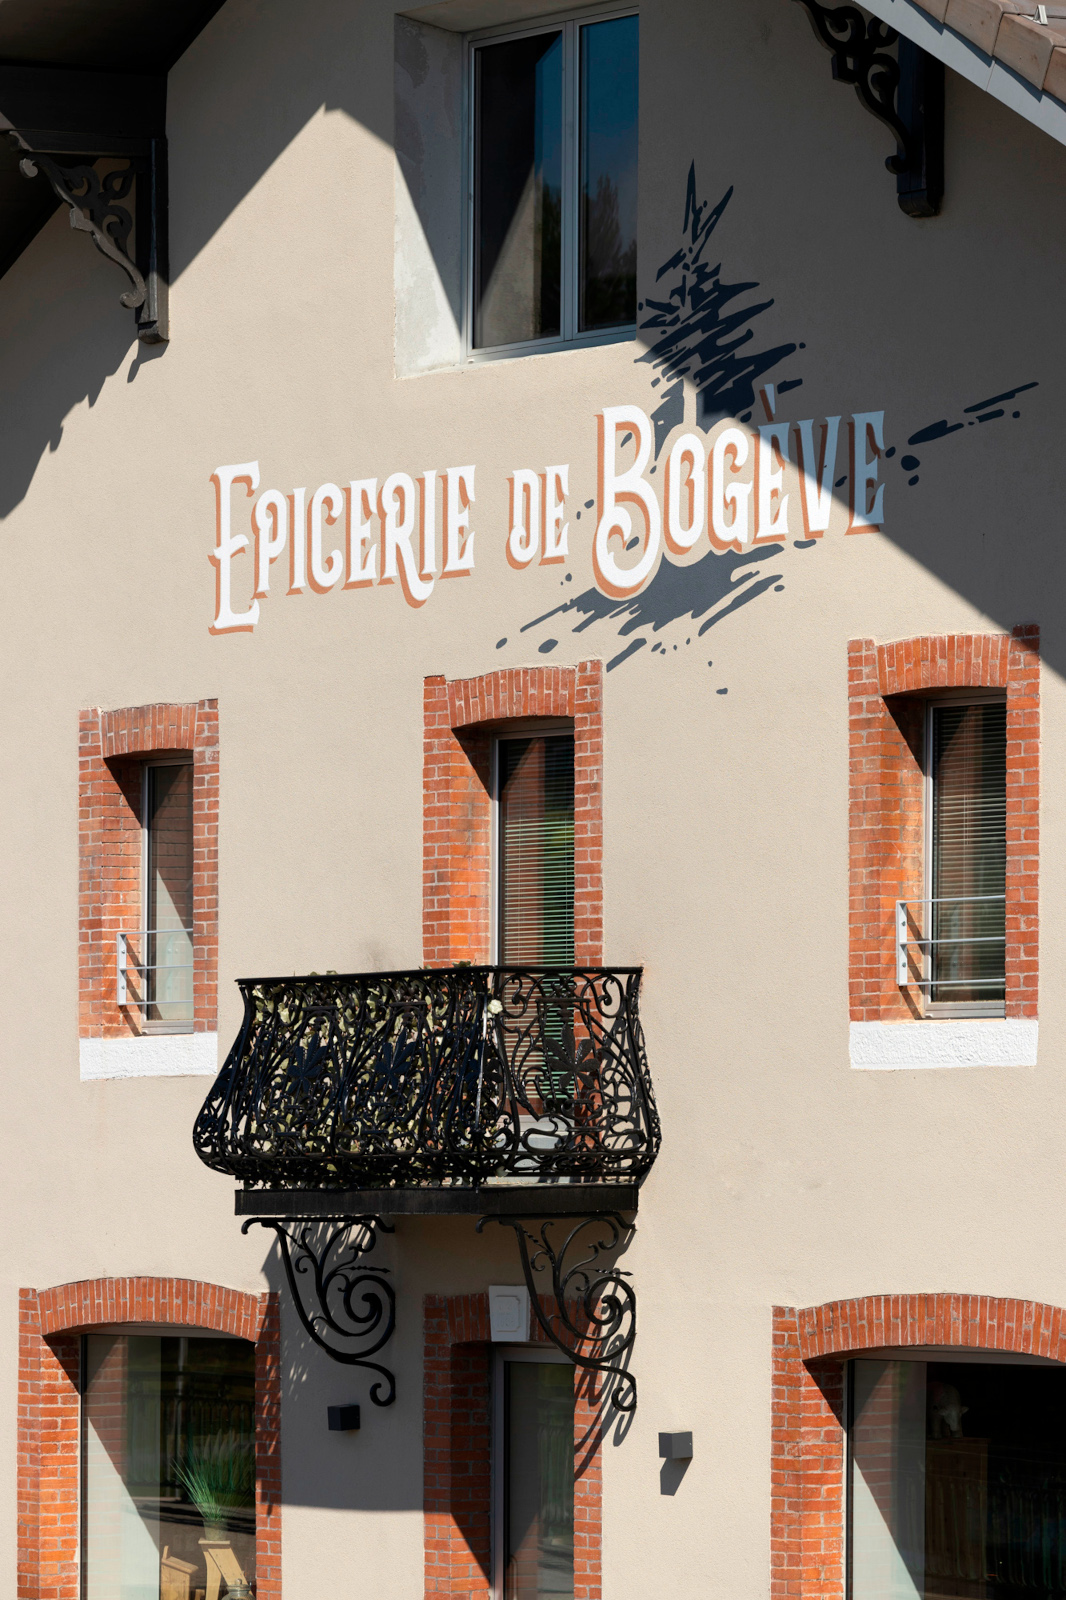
<point>218,1475</point>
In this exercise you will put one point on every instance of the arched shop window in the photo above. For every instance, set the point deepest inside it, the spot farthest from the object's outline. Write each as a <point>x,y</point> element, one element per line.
<point>956,1478</point>
<point>168,1466</point>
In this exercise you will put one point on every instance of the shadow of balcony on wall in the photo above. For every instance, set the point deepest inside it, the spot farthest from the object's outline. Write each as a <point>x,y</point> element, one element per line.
<point>521,1096</point>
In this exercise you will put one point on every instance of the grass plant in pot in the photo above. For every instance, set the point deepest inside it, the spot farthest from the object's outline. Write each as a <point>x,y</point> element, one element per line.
<point>218,1475</point>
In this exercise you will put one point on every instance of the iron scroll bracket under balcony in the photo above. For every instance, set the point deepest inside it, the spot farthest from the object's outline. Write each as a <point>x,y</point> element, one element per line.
<point>595,1317</point>
<point>349,1310</point>
<point>99,205</point>
<point>904,91</point>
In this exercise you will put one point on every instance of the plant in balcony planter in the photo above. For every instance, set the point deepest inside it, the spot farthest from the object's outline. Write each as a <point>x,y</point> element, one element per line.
<point>218,1475</point>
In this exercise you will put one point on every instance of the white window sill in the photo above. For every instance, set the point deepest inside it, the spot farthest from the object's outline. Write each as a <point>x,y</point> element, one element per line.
<point>958,1042</point>
<point>153,1055</point>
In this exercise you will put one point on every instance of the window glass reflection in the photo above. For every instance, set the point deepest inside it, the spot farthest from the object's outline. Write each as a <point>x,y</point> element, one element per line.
<point>169,954</point>
<point>518,199</point>
<point>168,1468</point>
<point>957,1481</point>
<point>539,1402</point>
<point>608,187</point>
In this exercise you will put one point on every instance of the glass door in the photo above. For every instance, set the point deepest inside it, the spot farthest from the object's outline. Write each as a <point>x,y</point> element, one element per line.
<point>534,1477</point>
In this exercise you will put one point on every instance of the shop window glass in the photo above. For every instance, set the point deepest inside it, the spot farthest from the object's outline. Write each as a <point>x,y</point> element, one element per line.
<point>168,1468</point>
<point>957,1481</point>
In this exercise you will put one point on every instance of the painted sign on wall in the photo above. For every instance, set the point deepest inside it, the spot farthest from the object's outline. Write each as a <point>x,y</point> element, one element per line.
<point>724,491</point>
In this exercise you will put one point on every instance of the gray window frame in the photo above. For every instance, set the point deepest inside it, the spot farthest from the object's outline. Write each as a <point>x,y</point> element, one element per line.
<point>569,24</point>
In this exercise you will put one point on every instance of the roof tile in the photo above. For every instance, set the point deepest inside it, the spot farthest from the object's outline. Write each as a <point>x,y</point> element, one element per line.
<point>979,20</point>
<point>1026,46</point>
<point>937,9</point>
<point>1055,78</point>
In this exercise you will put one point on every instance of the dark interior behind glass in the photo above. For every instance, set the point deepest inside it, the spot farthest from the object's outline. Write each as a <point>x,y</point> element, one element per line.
<point>957,1481</point>
<point>608,196</point>
<point>518,190</point>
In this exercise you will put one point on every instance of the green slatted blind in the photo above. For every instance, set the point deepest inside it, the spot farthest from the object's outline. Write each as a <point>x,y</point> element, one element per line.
<point>536,843</point>
<point>969,816</point>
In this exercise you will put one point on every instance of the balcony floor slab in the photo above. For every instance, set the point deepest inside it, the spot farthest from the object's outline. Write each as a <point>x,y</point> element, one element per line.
<point>493,1200</point>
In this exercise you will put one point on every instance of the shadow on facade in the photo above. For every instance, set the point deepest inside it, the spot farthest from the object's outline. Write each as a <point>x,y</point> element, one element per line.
<point>375,1468</point>
<point>962,500</point>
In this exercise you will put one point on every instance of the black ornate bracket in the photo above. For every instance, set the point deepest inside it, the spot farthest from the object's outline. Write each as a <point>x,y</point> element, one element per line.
<point>595,1322</point>
<point>97,206</point>
<point>325,1277</point>
<point>905,92</point>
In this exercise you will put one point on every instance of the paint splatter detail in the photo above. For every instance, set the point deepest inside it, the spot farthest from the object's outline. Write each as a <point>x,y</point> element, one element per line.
<point>700,332</point>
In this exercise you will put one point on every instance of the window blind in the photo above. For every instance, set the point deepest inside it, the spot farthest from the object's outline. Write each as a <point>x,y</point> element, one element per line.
<point>969,851</point>
<point>536,851</point>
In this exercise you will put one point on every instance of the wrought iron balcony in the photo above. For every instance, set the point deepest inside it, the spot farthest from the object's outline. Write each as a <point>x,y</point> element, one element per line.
<point>472,1077</point>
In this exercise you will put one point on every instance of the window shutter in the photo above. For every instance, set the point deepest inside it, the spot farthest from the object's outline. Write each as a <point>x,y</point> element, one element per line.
<point>536,844</point>
<point>969,851</point>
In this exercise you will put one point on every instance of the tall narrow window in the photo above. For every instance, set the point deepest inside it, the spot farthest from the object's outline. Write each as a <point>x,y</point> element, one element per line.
<point>168,1467</point>
<point>535,1478</point>
<point>168,898</point>
<point>536,850</point>
<point>555,184</point>
<point>608,198</point>
<point>968,854</point>
<point>957,1481</point>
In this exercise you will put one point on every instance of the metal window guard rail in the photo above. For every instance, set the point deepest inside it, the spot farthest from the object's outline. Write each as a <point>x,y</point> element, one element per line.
<point>457,1076</point>
<point>126,962</point>
<point>929,946</point>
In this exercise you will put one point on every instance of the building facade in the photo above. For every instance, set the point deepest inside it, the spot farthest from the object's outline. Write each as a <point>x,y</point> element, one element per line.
<point>630,1163</point>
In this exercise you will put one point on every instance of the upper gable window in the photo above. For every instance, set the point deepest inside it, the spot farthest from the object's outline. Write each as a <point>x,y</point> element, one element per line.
<point>554,226</point>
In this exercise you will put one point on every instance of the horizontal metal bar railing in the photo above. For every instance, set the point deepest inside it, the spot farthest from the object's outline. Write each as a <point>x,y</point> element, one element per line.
<point>459,1075</point>
<point>928,945</point>
<point>125,962</point>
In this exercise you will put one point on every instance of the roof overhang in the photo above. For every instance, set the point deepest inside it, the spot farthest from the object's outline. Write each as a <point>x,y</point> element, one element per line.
<point>1010,34</point>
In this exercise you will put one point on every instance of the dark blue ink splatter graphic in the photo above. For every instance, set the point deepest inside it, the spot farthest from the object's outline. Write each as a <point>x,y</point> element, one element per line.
<point>710,590</point>
<point>699,333</point>
<point>986,411</point>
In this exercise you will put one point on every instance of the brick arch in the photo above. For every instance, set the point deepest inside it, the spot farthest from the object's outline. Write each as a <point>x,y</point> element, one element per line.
<point>112,749</point>
<point>50,1324</point>
<point>810,1346</point>
<point>888,686</point>
<point>459,719</point>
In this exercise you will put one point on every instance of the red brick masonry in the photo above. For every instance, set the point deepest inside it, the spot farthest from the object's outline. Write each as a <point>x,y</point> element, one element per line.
<point>888,685</point>
<point>807,1421</point>
<point>460,718</point>
<point>457,1460</point>
<point>50,1322</point>
<point>112,748</point>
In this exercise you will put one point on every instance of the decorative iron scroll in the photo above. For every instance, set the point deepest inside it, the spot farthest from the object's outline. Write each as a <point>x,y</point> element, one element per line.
<point>905,92</point>
<point>859,49</point>
<point>457,1076</point>
<point>332,1278</point>
<point>96,208</point>
<point>595,1322</point>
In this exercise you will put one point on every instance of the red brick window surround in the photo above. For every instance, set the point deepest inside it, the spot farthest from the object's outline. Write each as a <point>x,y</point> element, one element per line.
<point>810,1346</point>
<point>113,747</point>
<point>888,686</point>
<point>49,1415</point>
<point>461,717</point>
<point>457,1424</point>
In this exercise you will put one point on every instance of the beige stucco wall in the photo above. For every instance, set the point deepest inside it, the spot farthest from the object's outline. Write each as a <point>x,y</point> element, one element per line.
<point>785,1175</point>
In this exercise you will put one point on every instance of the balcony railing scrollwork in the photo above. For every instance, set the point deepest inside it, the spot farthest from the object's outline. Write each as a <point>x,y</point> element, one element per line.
<point>513,1091</point>
<point>460,1076</point>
